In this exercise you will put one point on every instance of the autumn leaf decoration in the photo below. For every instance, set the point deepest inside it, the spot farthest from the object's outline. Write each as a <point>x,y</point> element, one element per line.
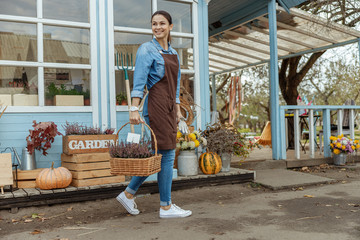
<point>41,137</point>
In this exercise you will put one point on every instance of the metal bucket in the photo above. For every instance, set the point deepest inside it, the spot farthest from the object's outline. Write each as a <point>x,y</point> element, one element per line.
<point>27,160</point>
<point>340,159</point>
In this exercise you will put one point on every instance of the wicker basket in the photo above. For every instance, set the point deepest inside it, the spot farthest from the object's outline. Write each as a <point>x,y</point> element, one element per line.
<point>136,166</point>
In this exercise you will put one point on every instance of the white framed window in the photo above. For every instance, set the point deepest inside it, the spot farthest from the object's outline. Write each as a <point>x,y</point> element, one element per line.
<point>132,27</point>
<point>46,49</point>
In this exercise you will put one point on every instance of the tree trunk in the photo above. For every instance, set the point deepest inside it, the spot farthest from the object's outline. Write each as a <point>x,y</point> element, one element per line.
<point>289,80</point>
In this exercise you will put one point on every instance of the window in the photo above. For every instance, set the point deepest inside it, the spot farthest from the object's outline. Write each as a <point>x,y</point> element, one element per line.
<point>136,13</point>
<point>132,28</point>
<point>26,8</point>
<point>61,31</point>
<point>68,10</point>
<point>18,41</point>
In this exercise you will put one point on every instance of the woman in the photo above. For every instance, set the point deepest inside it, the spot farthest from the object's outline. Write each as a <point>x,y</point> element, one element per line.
<point>157,66</point>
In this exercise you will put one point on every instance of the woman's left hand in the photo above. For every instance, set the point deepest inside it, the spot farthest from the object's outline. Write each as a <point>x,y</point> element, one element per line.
<point>178,113</point>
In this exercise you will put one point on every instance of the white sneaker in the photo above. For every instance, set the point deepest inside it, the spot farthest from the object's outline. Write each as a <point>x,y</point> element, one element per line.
<point>174,212</point>
<point>128,204</point>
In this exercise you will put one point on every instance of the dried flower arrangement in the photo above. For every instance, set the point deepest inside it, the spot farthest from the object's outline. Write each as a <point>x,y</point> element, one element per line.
<point>190,141</point>
<point>226,139</point>
<point>77,129</point>
<point>131,150</point>
<point>41,137</point>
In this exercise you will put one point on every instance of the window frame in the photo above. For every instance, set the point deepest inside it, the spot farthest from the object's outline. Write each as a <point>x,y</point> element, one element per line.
<point>40,64</point>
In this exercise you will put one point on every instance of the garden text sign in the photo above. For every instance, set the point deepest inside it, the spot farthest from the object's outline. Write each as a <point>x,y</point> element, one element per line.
<point>74,144</point>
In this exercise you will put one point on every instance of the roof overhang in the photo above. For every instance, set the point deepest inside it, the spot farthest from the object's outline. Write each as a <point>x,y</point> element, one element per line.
<point>298,32</point>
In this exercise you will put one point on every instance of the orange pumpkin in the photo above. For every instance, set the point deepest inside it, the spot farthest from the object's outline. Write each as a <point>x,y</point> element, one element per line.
<point>210,163</point>
<point>51,178</point>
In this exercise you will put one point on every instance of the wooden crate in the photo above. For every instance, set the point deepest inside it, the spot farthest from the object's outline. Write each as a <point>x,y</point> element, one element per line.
<point>89,169</point>
<point>26,178</point>
<point>74,144</point>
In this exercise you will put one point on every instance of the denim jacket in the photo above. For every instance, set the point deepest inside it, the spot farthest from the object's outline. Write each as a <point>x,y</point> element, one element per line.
<point>150,68</point>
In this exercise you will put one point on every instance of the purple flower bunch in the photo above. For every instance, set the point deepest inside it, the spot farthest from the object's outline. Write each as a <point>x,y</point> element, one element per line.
<point>131,150</point>
<point>77,129</point>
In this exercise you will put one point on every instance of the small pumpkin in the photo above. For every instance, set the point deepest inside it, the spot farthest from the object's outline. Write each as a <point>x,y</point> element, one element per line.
<point>210,163</point>
<point>51,178</point>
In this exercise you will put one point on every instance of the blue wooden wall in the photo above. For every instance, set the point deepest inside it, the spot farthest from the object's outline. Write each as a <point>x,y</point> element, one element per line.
<point>14,129</point>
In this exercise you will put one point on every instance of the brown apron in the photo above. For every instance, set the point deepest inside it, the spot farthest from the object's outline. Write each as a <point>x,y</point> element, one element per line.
<point>161,105</point>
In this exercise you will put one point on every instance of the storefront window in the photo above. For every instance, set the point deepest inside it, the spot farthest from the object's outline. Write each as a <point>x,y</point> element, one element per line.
<point>66,45</point>
<point>26,8</point>
<point>72,84</point>
<point>18,41</point>
<point>18,86</point>
<point>68,10</point>
<point>180,14</point>
<point>184,48</point>
<point>135,13</point>
<point>128,43</point>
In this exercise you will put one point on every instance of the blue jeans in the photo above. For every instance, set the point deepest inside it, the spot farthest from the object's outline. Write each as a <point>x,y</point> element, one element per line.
<point>164,177</point>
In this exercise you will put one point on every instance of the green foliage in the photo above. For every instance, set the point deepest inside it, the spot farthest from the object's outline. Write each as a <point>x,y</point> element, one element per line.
<point>52,91</point>
<point>121,97</point>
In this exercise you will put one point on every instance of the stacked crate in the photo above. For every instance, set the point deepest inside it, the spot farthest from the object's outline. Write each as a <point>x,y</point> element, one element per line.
<point>88,166</point>
<point>26,178</point>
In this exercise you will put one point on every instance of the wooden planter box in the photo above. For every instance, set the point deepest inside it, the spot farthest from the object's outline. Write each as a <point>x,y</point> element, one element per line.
<point>74,144</point>
<point>25,100</point>
<point>6,99</point>
<point>90,169</point>
<point>69,100</point>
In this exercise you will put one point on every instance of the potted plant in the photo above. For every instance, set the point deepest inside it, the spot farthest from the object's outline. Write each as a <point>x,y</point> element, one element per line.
<point>68,97</point>
<point>86,97</point>
<point>226,141</point>
<point>121,99</point>
<point>52,91</point>
<point>84,139</point>
<point>342,147</point>
<point>187,161</point>
<point>40,138</point>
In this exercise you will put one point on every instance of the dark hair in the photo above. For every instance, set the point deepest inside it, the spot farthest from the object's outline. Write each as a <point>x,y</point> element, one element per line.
<point>165,15</point>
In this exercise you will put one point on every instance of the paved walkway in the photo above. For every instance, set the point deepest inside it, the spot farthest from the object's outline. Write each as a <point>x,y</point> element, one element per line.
<point>276,179</point>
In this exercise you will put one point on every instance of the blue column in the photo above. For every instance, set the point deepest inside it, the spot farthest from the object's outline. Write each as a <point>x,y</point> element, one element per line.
<point>282,135</point>
<point>204,63</point>
<point>327,132</point>
<point>359,48</point>
<point>213,93</point>
<point>274,83</point>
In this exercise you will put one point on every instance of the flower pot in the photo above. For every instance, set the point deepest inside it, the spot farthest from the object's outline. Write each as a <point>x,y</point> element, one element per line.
<point>187,163</point>
<point>226,161</point>
<point>124,102</point>
<point>87,102</point>
<point>340,159</point>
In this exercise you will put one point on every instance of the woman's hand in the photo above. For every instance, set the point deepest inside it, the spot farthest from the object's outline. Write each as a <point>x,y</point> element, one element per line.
<point>135,118</point>
<point>179,116</point>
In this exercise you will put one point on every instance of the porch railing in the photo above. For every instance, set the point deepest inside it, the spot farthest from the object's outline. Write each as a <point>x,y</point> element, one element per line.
<point>326,131</point>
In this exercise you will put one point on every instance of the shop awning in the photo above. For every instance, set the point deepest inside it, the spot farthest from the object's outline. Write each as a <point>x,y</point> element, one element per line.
<point>299,32</point>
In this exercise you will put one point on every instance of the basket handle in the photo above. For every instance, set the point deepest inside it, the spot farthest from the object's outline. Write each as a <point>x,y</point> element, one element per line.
<point>156,150</point>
